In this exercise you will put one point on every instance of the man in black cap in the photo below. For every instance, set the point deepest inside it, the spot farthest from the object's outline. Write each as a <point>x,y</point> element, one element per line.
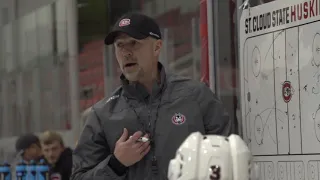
<point>28,145</point>
<point>134,134</point>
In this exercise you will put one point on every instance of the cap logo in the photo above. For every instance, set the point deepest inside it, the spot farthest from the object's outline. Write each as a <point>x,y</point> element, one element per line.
<point>124,22</point>
<point>153,34</point>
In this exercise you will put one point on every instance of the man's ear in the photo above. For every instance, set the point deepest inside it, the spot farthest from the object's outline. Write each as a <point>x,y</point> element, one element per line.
<point>157,47</point>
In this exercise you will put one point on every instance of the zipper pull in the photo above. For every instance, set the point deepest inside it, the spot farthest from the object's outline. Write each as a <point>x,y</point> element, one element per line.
<point>154,165</point>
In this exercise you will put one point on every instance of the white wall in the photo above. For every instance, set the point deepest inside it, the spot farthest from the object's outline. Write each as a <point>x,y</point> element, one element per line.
<point>157,7</point>
<point>34,38</point>
<point>24,6</point>
<point>35,29</point>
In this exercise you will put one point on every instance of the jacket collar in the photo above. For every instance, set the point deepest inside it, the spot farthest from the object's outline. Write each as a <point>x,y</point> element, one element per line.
<point>137,90</point>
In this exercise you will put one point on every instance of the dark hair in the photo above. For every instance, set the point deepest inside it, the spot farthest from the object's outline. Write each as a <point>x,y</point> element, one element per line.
<point>25,141</point>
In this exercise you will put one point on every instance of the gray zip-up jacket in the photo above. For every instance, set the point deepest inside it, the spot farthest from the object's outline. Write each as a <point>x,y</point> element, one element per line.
<point>177,107</point>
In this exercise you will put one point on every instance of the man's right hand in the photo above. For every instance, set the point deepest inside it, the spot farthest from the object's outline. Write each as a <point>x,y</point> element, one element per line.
<point>129,151</point>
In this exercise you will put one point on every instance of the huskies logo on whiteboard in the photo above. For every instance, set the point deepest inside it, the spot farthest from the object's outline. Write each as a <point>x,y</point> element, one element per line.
<point>178,119</point>
<point>124,22</point>
<point>286,91</point>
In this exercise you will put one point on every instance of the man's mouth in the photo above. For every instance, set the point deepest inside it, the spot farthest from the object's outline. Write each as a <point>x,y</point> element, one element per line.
<point>130,65</point>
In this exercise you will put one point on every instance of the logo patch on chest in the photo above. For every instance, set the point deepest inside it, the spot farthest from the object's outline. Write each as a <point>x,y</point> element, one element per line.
<point>56,176</point>
<point>178,119</point>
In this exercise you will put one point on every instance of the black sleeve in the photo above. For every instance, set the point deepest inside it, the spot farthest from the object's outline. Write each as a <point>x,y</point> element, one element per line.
<point>117,166</point>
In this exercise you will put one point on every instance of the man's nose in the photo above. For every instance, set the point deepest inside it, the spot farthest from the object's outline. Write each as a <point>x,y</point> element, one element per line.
<point>126,52</point>
<point>50,153</point>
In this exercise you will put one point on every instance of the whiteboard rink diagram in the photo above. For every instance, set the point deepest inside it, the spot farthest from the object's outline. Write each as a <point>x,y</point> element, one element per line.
<point>282,91</point>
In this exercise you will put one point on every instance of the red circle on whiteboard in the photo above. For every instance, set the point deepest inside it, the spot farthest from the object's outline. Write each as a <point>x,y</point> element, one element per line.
<point>287,91</point>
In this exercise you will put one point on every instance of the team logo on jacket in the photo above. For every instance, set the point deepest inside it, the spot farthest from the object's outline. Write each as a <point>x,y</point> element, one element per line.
<point>55,176</point>
<point>178,119</point>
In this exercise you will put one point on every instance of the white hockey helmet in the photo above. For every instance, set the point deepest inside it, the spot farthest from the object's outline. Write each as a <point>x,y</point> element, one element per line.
<point>211,157</point>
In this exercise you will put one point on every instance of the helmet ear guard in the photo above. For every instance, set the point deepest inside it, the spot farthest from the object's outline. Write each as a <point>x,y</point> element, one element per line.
<point>175,167</point>
<point>174,172</point>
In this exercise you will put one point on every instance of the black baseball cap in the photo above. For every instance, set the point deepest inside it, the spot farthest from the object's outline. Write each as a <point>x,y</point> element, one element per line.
<point>136,25</point>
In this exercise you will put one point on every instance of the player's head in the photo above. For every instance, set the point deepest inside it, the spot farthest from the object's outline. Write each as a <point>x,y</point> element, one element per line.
<point>28,145</point>
<point>52,146</point>
<point>137,42</point>
<point>211,157</point>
